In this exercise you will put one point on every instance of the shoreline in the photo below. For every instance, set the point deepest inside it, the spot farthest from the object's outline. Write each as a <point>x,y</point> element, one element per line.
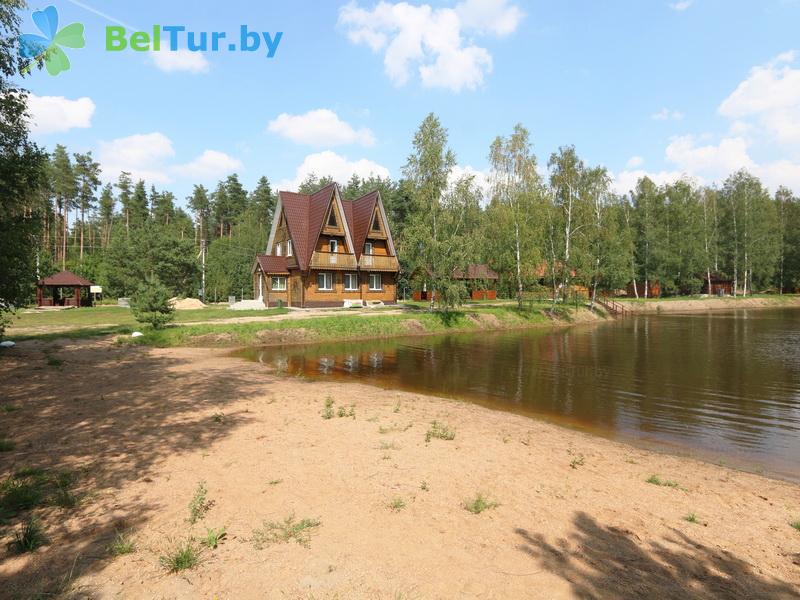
<point>694,305</point>
<point>141,427</point>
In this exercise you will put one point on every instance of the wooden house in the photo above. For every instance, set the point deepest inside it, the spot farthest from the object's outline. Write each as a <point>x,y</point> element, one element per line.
<point>481,282</point>
<point>717,285</point>
<point>653,289</point>
<point>324,250</point>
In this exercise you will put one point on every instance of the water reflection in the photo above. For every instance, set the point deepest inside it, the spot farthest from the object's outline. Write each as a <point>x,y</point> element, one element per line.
<point>726,385</point>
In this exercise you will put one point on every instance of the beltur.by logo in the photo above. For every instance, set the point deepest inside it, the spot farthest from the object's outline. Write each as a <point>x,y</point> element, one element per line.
<point>196,41</point>
<point>48,46</point>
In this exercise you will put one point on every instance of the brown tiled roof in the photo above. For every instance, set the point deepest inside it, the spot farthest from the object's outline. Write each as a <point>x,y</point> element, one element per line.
<point>361,210</point>
<point>66,279</point>
<point>272,265</point>
<point>304,215</point>
<point>482,271</point>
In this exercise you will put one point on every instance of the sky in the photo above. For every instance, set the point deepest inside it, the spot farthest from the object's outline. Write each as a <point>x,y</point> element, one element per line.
<point>667,88</point>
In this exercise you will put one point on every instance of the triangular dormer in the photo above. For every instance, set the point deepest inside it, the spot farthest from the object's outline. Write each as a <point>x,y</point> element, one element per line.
<point>377,228</point>
<point>334,222</point>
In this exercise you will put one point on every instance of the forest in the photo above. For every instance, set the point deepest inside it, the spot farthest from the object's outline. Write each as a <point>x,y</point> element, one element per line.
<point>546,233</point>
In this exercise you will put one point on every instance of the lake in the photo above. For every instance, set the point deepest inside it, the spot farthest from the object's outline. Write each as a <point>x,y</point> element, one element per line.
<point>723,386</point>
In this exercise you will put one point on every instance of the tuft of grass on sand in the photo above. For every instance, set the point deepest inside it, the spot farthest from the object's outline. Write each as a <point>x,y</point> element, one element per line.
<point>397,504</point>
<point>199,504</point>
<point>479,504</point>
<point>9,408</point>
<point>424,486</point>
<point>439,431</point>
<point>344,412</point>
<point>656,480</point>
<point>691,518</point>
<point>578,461</point>
<point>123,544</point>
<point>213,537</point>
<point>327,412</point>
<point>274,481</point>
<point>29,487</point>
<point>795,524</point>
<point>281,532</point>
<point>28,537</point>
<point>7,445</point>
<point>183,555</point>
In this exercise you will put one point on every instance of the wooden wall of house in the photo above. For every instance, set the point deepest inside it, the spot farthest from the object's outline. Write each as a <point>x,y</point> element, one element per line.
<point>379,247</point>
<point>316,297</point>
<point>654,289</point>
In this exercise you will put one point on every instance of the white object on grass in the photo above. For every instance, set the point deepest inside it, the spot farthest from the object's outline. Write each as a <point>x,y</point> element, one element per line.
<point>137,334</point>
<point>7,344</point>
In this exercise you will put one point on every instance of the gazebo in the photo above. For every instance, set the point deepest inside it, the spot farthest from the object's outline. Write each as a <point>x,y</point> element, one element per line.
<point>57,284</point>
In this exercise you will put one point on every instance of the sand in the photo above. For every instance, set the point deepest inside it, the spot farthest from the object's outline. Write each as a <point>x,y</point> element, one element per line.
<point>575,517</point>
<point>186,303</point>
<point>709,304</point>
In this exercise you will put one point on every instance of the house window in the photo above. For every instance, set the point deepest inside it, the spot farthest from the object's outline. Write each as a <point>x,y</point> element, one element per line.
<point>375,284</point>
<point>333,245</point>
<point>368,248</point>
<point>279,284</point>
<point>288,247</point>
<point>376,224</point>
<point>350,282</point>
<point>332,219</point>
<point>279,249</point>
<point>325,281</point>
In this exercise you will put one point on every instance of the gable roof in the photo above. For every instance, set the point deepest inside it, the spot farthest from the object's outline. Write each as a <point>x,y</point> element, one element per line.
<point>482,271</point>
<point>305,216</point>
<point>66,279</point>
<point>271,265</point>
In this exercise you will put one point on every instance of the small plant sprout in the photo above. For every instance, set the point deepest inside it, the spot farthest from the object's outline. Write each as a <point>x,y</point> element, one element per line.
<point>200,504</point>
<point>656,480</point>
<point>275,481</point>
<point>182,556</point>
<point>122,544</point>
<point>396,408</point>
<point>397,504</point>
<point>219,418</point>
<point>7,445</point>
<point>439,431</point>
<point>29,537</point>
<point>424,486</point>
<point>213,537</point>
<point>691,518</point>
<point>344,412</point>
<point>578,461</point>
<point>479,504</point>
<point>285,531</point>
<point>796,524</point>
<point>327,412</point>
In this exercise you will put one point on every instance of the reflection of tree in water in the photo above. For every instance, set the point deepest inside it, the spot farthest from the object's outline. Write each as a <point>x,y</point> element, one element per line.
<point>610,562</point>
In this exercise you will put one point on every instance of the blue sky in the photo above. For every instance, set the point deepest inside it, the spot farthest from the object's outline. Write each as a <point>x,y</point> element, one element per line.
<point>663,87</point>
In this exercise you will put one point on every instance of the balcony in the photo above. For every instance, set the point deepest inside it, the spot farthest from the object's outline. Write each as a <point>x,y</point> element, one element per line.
<point>332,260</point>
<point>375,262</point>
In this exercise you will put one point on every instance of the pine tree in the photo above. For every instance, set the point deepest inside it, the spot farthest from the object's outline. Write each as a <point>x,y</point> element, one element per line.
<point>125,184</point>
<point>87,175</point>
<point>262,202</point>
<point>106,210</point>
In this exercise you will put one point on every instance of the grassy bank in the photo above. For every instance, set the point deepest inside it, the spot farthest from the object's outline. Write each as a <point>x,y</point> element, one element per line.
<point>354,326</point>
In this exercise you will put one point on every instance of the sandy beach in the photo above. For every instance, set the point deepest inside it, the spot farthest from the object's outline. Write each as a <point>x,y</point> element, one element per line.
<point>569,515</point>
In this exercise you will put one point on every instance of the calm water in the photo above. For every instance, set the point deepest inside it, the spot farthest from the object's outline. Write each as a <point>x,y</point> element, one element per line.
<point>722,386</point>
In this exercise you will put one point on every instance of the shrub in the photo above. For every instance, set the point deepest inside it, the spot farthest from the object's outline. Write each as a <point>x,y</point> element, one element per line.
<point>479,504</point>
<point>439,431</point>
<point>150,304</point>
<point>199,505</point>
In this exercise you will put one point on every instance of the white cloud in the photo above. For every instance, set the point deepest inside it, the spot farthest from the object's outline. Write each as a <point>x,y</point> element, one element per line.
<point>147,156</point>
<point>142,155</point>
<point>171,61</point>
<point>437,42</point>
<point>480,178</point>
<point>633,162</point>
<point>682,5</point>
<point>211,164</point>
<point>57,114</point>
<point>625,181</point>
<point>321,127</point>
<point>714,160</point>
<point>665,114</point>
<point>328,163</point>
<point>771,96</point>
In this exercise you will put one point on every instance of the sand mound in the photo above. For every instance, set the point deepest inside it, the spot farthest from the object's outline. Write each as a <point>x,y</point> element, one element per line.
<point>186,303</point>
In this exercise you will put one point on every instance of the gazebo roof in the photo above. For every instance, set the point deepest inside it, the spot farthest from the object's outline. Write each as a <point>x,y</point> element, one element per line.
<point>65,279</point>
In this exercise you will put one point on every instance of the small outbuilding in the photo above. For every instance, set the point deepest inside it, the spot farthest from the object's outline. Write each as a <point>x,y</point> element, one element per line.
<point>481,281</point>
<point>653,289</point>
<point>717,285</point>
<point>64,289</point>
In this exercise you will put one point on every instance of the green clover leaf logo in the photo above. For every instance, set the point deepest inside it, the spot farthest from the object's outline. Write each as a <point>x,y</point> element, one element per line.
<point>48,46</point>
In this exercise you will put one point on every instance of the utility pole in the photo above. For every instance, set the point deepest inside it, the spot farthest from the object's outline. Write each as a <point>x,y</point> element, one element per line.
<point>203,262</point>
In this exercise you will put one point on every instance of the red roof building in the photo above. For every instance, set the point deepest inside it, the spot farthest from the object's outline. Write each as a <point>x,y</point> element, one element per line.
<point>63,289</point>
<point>324,250</point>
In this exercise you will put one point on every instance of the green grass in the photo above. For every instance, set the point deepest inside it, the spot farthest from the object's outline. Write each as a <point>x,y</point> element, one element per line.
<point>29,488</point>
<point>122,544</point>
<point>273,532</point>
<point>691,518</point>
<point>795,524</point>
<point>439,431</point>
<point>579,461</point>
<point>397,504</point>
<point>656,480</point>
<point>213,537</point>
<point>28,537</point>
<point>7,445</point>
<point>199,504</point>
<point>327,412</point>
<point>275,481</point>
<point>182,556</point>
<point>479,504</point>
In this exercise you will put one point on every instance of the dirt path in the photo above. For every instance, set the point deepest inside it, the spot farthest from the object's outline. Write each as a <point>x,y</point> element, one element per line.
<point>575,517</point>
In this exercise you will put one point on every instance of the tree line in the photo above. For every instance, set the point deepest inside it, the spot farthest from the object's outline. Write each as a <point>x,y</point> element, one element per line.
<point>548,229</point>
